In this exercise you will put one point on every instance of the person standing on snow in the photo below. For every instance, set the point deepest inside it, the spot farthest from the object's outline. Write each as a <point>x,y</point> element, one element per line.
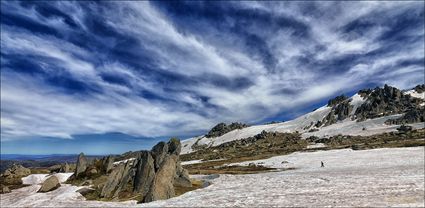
<point>322,164</point>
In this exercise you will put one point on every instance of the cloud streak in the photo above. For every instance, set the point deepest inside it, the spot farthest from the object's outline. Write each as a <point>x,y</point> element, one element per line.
<point>169,69</point>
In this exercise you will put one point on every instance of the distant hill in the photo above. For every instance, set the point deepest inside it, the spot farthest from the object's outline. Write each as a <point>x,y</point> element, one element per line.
<point>7,160</point>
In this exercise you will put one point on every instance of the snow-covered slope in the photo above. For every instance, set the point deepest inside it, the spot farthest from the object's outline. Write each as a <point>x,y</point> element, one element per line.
<point>366,178</point>
<point>415,94</point>
<point>304,124</point>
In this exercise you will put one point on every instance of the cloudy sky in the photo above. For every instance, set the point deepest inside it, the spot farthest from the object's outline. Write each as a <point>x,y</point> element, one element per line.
<point>115,76</point>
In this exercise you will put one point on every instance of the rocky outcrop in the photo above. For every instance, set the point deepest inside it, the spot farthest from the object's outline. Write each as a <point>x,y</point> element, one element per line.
<point>82,165</point>
<point>4,189</point>
<point>16,171</point>
<point>152,176</point>
<point>107,163</point>
<point>65,168</point>
<point>50,184</point>
<point>145,173</point>
<point>411,116</point>
<point>378,102</point>
<point>222,128</point>
<point>337,100</point>
<point>385,101</point>
<point>341,110</point>
<point>420,88</point>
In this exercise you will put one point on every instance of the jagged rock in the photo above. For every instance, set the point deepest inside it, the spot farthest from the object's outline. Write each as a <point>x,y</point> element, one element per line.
<point>337,100</point>
<point>411,116</point>
<point>118,178</point>
<point>16,171</point>
<point>222,128</point>
<point>420,88</point>
<point>162,186</point>
<point>50,184</point>
<point>107,163</point>
<point>55,168</point>
<point>65,168</point>
<point>4,189</point>
<point>174,146</point>
<point>159,151</point>
<point>82,165</point>
<point>151,176</point>
<point>145,173</point>
<point>385,101</point>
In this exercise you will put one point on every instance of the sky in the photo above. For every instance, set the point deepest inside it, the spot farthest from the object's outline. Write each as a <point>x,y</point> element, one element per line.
<point>112,76</point>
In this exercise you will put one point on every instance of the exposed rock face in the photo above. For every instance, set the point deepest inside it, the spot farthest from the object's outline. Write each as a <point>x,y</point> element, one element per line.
<point>341,110</point>
<point>145,173</point>
<point>162,186</point>
<point>16,171</point>
<point>151,176</point>
<point>420,88</point>
<point>222,128</point>
<point>4,189</point>
<point>82,165</point>
<point>412,116</point>
<point>107,163</point>
<point>385,101</point>
<point>65,168</point>
<point>50,184</point>
<point>378,102</point>
<point>337,100</point>
<point>116,180</point>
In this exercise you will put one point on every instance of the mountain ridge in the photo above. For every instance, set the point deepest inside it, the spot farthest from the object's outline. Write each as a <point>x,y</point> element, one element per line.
<point>388,105</point>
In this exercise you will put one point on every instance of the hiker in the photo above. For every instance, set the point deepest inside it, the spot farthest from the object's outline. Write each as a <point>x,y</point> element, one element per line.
<point>323,164</point>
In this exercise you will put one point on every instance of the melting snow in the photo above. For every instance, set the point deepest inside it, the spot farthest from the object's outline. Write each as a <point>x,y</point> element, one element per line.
<point>378,177</point>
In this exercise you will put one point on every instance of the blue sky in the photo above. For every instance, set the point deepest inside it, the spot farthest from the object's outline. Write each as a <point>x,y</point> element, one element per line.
<point>117,76</point>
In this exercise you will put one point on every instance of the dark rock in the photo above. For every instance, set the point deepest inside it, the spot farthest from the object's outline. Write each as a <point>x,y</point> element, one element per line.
<point>50,184</point>
<point>82,165</point>
<point>420,88</point>
<point>107,164</point>
<point>222,128</point>
<point>4,189</point>
<point>145,173</point>
<point>337,100</point>
<point>159,151</point>
<point>85,190</point>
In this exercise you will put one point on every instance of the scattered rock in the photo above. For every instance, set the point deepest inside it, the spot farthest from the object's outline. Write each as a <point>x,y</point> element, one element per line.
<point>85,190</point>
<point>50,184</point>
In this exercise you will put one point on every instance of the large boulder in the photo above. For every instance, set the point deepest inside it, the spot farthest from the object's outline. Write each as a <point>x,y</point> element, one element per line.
<point>145,173</point>
<point>162,186</point>
<point>82,165</point>
<point>50,184</point>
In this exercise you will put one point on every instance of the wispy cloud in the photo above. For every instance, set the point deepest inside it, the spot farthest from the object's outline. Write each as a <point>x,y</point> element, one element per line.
<point>168,68</point>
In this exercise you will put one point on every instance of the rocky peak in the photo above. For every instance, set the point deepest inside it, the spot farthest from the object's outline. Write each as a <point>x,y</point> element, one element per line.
<point>337,100</point>
<point>222,128</point>
<point>420,88</point>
